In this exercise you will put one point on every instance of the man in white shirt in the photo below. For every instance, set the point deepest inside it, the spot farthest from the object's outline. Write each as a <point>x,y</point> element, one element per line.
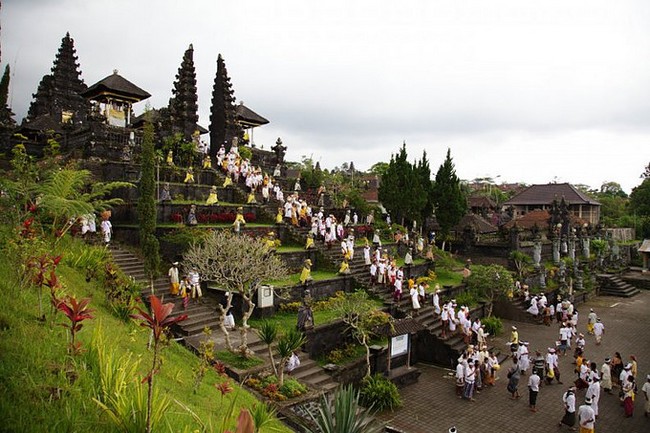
<point>569,401</point>
<point>460,376</point>
<point>586,417</point>
<point>599,330</point>
<point>533,390</point>
<point>593,392</point>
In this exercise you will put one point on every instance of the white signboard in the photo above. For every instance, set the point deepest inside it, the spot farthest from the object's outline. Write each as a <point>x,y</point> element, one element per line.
<point>399,345</point>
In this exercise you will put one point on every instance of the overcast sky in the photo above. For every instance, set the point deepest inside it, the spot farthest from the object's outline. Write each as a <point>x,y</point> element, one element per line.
<point>529,91</point>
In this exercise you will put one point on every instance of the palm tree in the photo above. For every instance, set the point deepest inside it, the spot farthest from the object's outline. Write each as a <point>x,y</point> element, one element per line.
<point>345,416</point>
<point>288,343</point>
<point>268,333</point>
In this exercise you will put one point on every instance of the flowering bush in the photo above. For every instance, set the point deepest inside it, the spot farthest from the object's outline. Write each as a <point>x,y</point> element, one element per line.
<point>215,218</point>
<point>270,387</point>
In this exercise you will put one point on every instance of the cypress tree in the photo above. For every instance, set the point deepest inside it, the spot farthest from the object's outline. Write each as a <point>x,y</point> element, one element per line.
<point>401,190</point>
<point>147,205</point>
<point>449,199</point>
<point>424,173</point>
<point>6,115</point>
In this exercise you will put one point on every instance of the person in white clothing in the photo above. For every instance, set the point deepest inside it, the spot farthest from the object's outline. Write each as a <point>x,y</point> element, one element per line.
<point>436,301</point>
<point>599,330</point>
<point>107,229</point>
<point>593,392</point>
<point>292,363</point>
<point>415,299</point>
<point>586,416</point>
<point>195,284</point>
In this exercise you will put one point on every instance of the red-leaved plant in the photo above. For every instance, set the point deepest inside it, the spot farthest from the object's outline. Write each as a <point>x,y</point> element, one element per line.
<point>39,267</point>
<point>76,312</point>
<point>159,321</point>
<point>245,423</point>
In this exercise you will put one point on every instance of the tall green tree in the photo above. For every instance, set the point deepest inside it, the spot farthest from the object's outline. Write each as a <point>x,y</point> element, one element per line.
<point>401,190</point>
<point>490,282</point>
<point>448,196</point>
<point>6,115</point>
<point>640,198</point>
<point>424,173</point>
<point>147,204</point>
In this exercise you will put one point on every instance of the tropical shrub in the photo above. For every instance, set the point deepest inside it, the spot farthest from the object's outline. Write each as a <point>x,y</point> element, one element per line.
<point>379,394</point>
<point>493,325</point>
<point>269,386</point>
<point>468,298</point>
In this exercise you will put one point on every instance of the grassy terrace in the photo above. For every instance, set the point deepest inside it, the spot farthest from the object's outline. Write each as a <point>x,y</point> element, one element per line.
<point>294,279</point>
<point>172,225</point>
<point>288,320</point>
<point>45,389</point>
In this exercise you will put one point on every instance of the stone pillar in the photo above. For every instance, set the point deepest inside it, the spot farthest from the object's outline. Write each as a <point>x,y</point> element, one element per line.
<point>556,250</point>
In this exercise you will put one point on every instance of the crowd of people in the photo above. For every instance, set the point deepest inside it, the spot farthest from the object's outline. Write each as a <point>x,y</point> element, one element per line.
<point>476,368</point>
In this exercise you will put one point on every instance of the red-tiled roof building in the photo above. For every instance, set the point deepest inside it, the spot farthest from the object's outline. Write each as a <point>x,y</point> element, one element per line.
<point>541,197</point>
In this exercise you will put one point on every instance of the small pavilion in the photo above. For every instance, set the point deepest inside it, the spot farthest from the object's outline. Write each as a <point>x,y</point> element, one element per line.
<point>248,119</point>
<point>116,96</point>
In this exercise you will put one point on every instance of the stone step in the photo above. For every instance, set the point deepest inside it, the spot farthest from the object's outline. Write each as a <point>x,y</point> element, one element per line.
<point>305,374</point>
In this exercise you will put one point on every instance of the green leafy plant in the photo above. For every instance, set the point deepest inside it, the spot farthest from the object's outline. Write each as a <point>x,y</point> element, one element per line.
<point>344,415</point>
<point>76,312</point>
<point>521,261</point>
<point>493,325</point>
<point>268,333</point>
<point>206,358</point>
<point>490,283</point>
<point>362,317</point>
<point>292,388</point>
<point>290,307</point>
<point>467,298</point>
<point>379,393</point>
<point>159,321</point>
<point>287,344</point>
<point>120,397</point>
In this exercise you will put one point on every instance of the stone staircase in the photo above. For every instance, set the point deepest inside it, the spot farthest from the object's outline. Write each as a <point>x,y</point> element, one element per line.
<point>612,285</point>
<point>202,314</point>
<point>308,372</point>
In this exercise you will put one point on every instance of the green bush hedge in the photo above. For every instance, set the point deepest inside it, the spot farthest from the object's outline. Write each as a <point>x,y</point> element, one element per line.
<point>379,393</point>
<point>493,325</point>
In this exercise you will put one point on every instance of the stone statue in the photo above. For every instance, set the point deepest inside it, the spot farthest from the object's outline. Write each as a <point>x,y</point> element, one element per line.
<point>305,316</point>
<point>279,150</point>
<point>561,274</point>
<point>585,247</point>
<point>537,253</point>
<point>191,217</point>
<point>556,250</point>
<point>165,194</point>
<point>572,244</point>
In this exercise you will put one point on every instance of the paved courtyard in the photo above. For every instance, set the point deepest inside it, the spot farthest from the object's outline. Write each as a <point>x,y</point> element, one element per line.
<point>430,406</point>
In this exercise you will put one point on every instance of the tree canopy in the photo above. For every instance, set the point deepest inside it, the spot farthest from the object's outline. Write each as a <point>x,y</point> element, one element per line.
<point>404,192</point>
<point>448,196</point>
